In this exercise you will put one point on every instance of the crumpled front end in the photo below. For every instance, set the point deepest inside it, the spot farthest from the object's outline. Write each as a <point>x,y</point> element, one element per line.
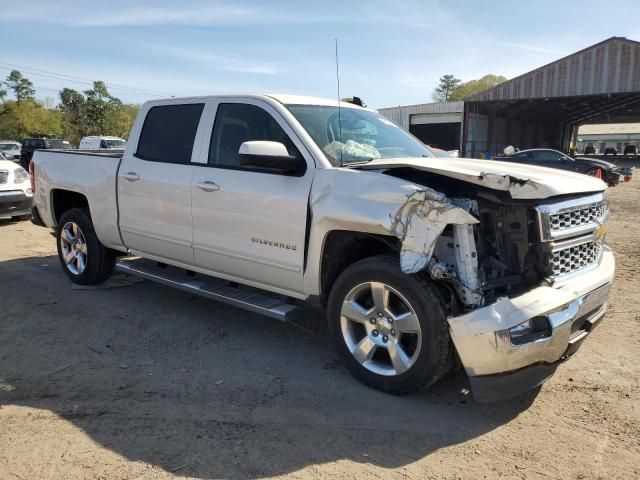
<point>528,278</point>
<point>515,344</point>
<point>420,221</point>
<point>378,204</point>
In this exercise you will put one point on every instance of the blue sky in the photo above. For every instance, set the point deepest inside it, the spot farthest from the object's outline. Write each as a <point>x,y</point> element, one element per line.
<point>391,52</point>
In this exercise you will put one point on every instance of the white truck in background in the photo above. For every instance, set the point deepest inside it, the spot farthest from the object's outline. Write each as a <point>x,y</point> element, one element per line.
<point>98,142</point>
<point>416,259</point>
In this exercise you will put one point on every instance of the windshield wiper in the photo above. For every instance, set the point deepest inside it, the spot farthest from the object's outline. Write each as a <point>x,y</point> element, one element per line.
<point>358,163</point>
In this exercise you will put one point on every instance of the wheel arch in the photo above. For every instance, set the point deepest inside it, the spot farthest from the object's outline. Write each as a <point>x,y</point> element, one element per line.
<point>342,248</point>
<point>63,200</point>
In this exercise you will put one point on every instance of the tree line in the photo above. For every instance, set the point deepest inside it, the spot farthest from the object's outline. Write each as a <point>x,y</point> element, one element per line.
<point>451,89</point>
<point>77,114</point>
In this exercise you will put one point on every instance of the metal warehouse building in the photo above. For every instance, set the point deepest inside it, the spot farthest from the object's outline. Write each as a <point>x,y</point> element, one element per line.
<point>542,108</point>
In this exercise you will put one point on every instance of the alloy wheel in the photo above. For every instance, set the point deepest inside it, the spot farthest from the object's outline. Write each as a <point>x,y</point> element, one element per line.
<point>380,328</point>
<point>74,248</point>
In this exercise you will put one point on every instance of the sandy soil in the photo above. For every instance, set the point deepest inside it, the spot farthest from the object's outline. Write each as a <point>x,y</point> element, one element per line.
<point>146,382</point>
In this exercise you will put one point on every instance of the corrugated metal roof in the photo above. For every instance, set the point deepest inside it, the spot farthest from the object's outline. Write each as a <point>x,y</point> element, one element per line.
<point>611,66</point>
<point>609,128</point>
<point>401,115</point>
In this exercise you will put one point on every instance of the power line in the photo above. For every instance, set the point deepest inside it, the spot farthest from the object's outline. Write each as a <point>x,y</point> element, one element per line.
<point>40,87</point>
<point>75,79</point>
<point>81,79</point>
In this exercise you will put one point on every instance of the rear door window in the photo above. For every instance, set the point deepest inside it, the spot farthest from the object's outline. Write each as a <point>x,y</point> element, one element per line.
<point>168,133</point>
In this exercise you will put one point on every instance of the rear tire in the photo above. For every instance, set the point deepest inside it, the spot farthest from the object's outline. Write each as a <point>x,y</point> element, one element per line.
<point>83,258</point>
<point>398,348</point>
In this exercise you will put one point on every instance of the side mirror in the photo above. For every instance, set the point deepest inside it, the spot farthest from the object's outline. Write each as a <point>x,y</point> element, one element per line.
<point>269,156</point>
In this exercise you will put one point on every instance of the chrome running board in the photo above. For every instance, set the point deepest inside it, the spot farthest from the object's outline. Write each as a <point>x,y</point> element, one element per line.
<point>209,287</point>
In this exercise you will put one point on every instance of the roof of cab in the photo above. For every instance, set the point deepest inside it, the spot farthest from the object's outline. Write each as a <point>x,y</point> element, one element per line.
<point>101,137</point>
<point>282,98</point>
<point>305,100</point>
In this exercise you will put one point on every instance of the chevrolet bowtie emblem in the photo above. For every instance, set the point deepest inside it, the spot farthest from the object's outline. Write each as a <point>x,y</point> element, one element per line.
<point>600,231</point>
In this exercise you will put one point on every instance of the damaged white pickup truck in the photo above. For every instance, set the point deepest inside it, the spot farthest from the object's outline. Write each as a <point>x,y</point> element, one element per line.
<point>420,262</point>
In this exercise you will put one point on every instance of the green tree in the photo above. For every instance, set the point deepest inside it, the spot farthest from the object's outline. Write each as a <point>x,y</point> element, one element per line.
<point>119,122</point>
<point>73,107</point>
<point>93,112</point>
<point>24,92</point>
<point>26,119</point>
<point>448,83</point>
<point>42,121</point>
<point>474,86</point>
<point>100,104</point>
<point>21,86</point>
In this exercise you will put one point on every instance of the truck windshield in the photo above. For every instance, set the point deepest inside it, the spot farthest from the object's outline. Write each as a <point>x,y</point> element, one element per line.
<point>116,143</point>
<point>56,143</point>
<point>353,136</point>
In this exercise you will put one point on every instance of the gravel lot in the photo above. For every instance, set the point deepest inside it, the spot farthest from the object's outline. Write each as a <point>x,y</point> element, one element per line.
<point>146,382</point>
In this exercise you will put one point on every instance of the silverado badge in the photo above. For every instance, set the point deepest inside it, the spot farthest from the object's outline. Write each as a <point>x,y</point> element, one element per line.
<point>273,243</point>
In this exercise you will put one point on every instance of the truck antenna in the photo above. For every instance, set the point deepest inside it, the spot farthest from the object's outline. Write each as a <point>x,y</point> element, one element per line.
<point>339,109</point>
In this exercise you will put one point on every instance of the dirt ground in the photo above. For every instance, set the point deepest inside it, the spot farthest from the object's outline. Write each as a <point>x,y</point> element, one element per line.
<point>146,382</point>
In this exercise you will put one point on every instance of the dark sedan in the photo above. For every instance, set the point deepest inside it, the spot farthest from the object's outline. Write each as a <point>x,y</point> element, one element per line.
<point>545,157</point>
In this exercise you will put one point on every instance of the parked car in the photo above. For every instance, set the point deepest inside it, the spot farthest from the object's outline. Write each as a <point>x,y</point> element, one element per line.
<point>29,145</point>
<point>10,149</point>
<point>416,260</point>
<point>546,157</point>
<point>611,151</point>
<point>631,150</point>
<point>102,143</point>
<point>15,190</point>
<point>590,150</point>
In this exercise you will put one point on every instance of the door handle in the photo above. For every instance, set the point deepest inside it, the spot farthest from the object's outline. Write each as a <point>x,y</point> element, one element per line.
<point>208,186</point>
<point>131,176</point>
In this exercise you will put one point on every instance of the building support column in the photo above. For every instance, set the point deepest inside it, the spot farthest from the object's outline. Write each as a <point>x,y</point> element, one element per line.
<point>463,132</point>
<point>491,115</point>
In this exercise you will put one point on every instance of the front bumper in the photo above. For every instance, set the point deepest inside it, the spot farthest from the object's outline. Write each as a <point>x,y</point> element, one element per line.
<point>14,203</point>
<point>498,368</point>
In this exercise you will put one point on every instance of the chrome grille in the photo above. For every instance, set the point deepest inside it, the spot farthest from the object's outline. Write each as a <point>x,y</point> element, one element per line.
<point>578,217</point>
<point>571,218</point>
<point>571,259</point>
<point>571,234</point>
<point>4,176</point>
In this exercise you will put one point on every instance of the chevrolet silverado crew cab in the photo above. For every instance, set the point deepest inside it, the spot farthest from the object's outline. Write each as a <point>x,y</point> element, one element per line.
<point>420,262</point>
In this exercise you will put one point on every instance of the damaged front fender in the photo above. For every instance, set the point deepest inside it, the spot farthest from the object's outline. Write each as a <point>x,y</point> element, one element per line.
<point>418,223</point>
<point>370,202</point>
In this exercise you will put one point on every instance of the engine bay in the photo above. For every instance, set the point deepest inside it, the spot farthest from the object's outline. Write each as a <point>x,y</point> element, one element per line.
<point>497,257</point>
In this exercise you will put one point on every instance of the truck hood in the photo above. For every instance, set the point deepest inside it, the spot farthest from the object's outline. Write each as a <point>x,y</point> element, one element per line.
<point>522,181</point>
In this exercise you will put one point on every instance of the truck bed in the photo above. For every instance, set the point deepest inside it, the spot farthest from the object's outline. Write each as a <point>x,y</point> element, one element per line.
<point>91,153</point>
<point>92,174</point>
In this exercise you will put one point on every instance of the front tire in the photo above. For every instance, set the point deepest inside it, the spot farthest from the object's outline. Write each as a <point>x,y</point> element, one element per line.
<point>83,258</point>
<point>390,328</point>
